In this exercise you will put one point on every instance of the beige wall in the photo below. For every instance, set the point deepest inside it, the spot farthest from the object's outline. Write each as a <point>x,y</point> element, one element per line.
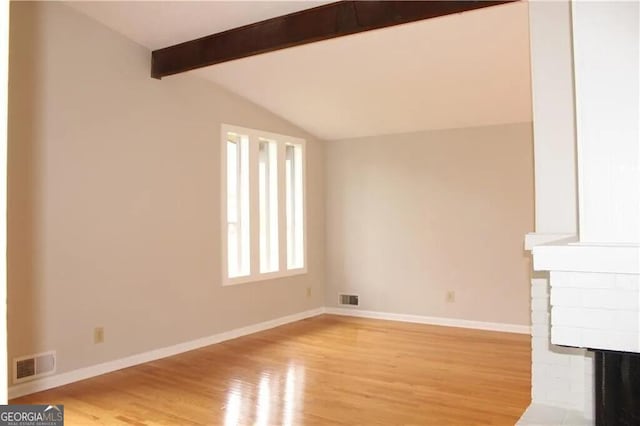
<point>412,216</point>
<point>4,77</point>
<point>114,198</point>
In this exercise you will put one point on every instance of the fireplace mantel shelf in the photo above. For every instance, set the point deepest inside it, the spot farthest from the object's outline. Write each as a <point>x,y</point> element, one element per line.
<point>562,252</point>
<point>570,256</point>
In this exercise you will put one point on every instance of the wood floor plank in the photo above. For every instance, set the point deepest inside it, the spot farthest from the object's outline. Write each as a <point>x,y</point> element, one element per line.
<point>326,370</point>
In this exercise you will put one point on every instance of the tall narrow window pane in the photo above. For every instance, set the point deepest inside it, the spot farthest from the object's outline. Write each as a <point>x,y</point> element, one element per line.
<point>268,188</point>
<point>237,205</point>
<point>294,207</point>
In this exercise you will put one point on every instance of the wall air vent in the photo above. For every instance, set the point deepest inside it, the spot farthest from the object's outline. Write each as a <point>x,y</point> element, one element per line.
<point>348,300</point>
<point>33,366</point>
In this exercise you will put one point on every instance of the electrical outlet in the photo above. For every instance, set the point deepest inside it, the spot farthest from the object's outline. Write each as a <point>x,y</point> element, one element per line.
<point>451,296</point>
<point>308,291</point>
<point>98,335</point>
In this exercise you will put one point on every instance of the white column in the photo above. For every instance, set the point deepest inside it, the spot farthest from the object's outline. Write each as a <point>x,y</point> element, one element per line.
<point>558,377</point>
<point>553,117</point>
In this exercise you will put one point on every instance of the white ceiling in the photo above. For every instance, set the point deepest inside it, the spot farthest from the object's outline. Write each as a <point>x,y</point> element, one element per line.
<point>463,70</point>
<point>158,24</point>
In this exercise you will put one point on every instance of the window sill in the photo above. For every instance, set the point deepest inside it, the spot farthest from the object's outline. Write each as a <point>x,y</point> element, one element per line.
<point>263,277</point>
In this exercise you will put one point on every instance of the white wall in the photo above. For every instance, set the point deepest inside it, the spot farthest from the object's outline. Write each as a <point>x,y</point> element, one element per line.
<point>114,214</point>
<point>412,216</point>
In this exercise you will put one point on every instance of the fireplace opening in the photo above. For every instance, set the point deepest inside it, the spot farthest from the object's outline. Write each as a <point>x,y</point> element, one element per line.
<point>617,376</point>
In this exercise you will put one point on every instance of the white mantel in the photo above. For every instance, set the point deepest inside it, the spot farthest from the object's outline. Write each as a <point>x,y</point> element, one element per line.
<point>572,256</point>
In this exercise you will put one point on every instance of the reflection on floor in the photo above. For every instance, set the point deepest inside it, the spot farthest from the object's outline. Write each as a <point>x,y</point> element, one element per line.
<point>323,370</point>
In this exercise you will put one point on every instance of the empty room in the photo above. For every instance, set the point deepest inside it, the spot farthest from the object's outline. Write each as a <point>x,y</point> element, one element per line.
<point>312,212</point>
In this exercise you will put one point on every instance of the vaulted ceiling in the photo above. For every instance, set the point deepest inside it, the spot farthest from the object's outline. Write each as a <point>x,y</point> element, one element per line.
<point>469,69</point>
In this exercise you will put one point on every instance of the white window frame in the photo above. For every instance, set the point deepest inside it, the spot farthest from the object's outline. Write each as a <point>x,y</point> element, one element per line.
<point>254,220</point>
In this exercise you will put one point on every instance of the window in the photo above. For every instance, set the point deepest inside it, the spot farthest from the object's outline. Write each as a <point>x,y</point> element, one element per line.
<point>293,179</point>
<point>268,184</point>
<point>263,205</point>
<point>238,225</point>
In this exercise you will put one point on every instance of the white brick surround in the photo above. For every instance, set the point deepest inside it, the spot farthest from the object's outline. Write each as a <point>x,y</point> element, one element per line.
<point>596,310</point>
<point>582,309</point>
<point>560,377</point>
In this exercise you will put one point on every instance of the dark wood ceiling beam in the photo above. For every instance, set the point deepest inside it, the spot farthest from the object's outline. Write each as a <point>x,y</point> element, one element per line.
<point>320,23</point>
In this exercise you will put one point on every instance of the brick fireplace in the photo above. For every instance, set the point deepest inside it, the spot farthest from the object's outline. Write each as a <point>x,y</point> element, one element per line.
<point>586,248</point>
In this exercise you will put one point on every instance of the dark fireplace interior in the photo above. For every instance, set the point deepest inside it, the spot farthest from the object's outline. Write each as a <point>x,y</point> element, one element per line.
<point>617,376</point>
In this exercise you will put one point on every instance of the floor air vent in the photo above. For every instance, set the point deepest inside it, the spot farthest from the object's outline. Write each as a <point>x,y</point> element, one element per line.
<point>349,299</point>
<point>34,366</point>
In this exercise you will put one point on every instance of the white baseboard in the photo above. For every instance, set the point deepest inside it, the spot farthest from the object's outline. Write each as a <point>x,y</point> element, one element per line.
<point>130,361</point>
<point>448,322</point>
<point>118,364</point>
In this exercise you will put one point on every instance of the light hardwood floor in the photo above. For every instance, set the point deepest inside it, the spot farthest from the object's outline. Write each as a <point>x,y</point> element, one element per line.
<point>321,371</point>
